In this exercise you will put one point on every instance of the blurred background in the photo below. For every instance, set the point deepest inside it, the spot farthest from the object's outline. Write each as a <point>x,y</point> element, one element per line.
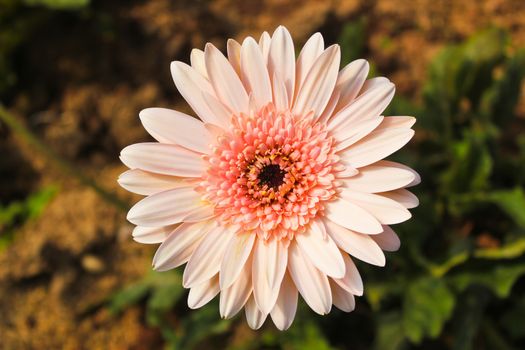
<point>75,73</point>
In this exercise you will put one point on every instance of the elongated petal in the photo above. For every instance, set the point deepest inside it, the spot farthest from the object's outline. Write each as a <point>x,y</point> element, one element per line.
<point>403,197</point>
<point>285,308</point>
<point>351,281</point>
<point>281,59</point>
<point>321,250</point>
<point>197,62</point>
<point>417,178</point>
<point>385,210</point>
<point>398,122</point>
<point>169,207</point>
<point>225,81</point>
<point>311,283</point>
<point>319,83</point>
<point>180,245</point>
<point>206,259</point>
<point>387,240</point>
<point>234,55</point>
<point>376,146</point>
<point>280,96</point>
<point>169,126</point>
<point>343,299</point>
<point>254,316</point>
<point>146,183</point>
<point>312,49</point>
<point>191,85</point>
<point>351,216</point>
<point>361,246</point>
<point>235,296</point>
<point>264,44</point>
<point>379,177</point>
<point>350,81</point>
<point>269,266</point>
<point>349,136</point>
<point>163,159</point>
<point>255,73</point>
<point>238,251</point>
<point>201,294</point>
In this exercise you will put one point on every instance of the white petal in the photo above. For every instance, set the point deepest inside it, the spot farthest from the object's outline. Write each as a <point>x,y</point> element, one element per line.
<point>351,216</point>
<point>228,87</point>
<point>269,265</point>
<point>201,294</point>
<point>321,249</point>
<point>367,106</point>
<point>350,81</point>
<point>349,136</point>
<point>151,235</point>
<point>280,96</point>
<point>206,259</point>
<point>343,299</point>
<point>145,183</point>
<point>180,244</point>
<point>222,112</point>
<point>285,308</point>
<point>311,50</point>
<point>356,244</point>
<point>234,55</point>
<point>169,126</point>
<point>398,122</point>
<point>376,146</point>
<point>254,316</point>
<point>385,210</point>
<point>170,207</point>
<point>351,281</point>
<point>197,62</point>
<point>192,85</point>
<point>238,251</point>
<point>235,296</point>
<point>319,83</point>
<point>388,240</point>
<point>264,44</point>
<point>379,177</point>
<point>311,283</point>
<point>163,159</point>
<point>403,197</point>
<point>281,59</point>
<point>255,73</point>
<point>417,178</point>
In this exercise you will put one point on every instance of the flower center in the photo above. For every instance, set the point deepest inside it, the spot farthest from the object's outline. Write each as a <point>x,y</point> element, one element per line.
<point>271,175</point>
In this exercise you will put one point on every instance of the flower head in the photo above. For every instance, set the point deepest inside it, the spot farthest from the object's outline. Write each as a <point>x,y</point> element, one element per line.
<point>278,183</point>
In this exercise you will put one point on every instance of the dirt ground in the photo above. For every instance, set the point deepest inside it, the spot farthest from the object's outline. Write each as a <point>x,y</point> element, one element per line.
<point>86,83</point>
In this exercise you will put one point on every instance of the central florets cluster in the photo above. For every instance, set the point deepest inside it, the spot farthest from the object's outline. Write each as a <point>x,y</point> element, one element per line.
<point>271,173</point>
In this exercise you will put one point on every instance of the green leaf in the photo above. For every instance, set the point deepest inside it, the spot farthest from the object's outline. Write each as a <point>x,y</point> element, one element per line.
<point>390,335</point>
<point>512,202</point>
<point>507,251</point>
<point>427,305</point>
<point>128,296</point>
<point>352,40</point>
<point>59,4</point>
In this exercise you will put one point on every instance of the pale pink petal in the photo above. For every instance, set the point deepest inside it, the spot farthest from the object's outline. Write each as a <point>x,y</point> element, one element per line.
<point>281,59</point>
<point>285,308</point>
<point>197,62</point>
<point>350,136</point>
<point>238,251</point>
<point>398,122</point>
<point>235,296</point>
<point>367,106</point>
<point>387,240</point>
<point>234,55</point>
<point>202,293</point>
<point>347,172</point>
<point>269,266</point>
<point>280,96</point>
<point>379,177</point>
<point>351,281</point>
<point>376,146</point>
<point>311,283</point>
<point>228,87</point>
<point>192,85</point>
<point>180,245</point>
<point>360,246</point>
<point>351,216</point>
<point>254,316</point>
<point>151,235</point>
<point>206,259</point>
<point>169,126</point>
<point>254,73</point>
<point>163,159</point>
<point>321,250</point>
<point>385,210</point>
<point>264,44</point>
<point>169,207</point>
<point>312,49</point>
<point>403,197</point>
<point>319,83</point>
<point>373,83</point>
<point>342,299</point>
<point>350,81</point>
<point>417,178</point>
<point>222,113</point>
<point>146,183</point>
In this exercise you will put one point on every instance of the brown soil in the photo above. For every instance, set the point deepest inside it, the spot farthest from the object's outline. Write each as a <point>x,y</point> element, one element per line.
<point>57,275</point>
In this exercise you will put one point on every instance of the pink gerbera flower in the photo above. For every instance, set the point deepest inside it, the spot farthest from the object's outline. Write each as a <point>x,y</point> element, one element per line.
<point>277,184</point>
